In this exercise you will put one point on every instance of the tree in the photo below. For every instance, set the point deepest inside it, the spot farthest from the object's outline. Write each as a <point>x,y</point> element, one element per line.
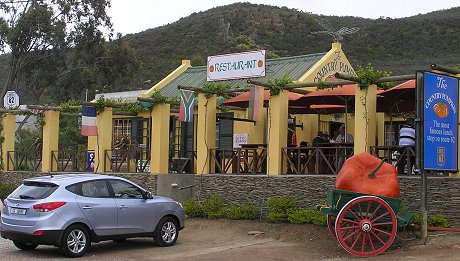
<point>36,30</point>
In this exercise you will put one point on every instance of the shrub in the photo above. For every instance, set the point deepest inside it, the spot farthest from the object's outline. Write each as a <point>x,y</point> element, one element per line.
<point>302,216</point>
<point>214,207</point>
<point>433,221</point>
<point>438,221</point>
<point>6,189</point>
<point>278,208</point>
<point>244,211</point>
<point>298,216</point>
<point>193,208</point>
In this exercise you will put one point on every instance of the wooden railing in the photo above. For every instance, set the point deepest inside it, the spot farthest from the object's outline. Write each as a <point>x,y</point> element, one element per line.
<point>183,164</point>
<point>24,160</point>
<point>323,159</point>
<point>127,160</point>
<point>238,161</point>
<point>403,158</point>
<point>70,160</point>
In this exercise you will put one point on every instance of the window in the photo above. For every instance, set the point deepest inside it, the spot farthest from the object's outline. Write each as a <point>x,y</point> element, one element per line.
<point>34,190</point>
<point>124,189</point>
<point>91,189</point>
<point>121,129</point>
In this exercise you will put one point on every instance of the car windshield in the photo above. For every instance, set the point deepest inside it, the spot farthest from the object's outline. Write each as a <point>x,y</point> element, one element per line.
<point>34,190</point>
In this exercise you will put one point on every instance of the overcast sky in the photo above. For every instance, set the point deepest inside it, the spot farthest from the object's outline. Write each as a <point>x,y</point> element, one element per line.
<point>135,16</point>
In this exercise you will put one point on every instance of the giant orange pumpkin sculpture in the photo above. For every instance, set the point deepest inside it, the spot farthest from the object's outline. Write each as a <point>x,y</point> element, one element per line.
<point>368,174</point>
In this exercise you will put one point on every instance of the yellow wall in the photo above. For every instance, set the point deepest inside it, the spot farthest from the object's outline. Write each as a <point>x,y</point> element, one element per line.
<point>277,131</point>
<point>206,136</point>
<point>50,140</point>
<point>160,139</point>
<point>8,128</point>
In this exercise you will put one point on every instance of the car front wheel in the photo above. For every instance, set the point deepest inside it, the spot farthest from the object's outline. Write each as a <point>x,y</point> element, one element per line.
<point>75,241</point>
<point>25,246</point>
<point>167,232</point>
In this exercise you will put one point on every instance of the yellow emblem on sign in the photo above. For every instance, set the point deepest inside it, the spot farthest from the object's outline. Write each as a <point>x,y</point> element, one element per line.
<point>441,156</point>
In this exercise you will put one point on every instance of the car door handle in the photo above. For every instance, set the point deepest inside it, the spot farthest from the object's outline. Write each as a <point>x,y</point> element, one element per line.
<point>86,207</point>
<point>123,206</point>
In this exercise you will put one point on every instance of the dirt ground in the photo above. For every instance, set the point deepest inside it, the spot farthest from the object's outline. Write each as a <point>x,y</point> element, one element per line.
<point>204,239</point>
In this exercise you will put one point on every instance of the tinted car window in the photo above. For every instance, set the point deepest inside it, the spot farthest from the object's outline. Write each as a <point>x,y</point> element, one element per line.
<point>124,189</point>
<point>95,189</point>
<point>34,190</point>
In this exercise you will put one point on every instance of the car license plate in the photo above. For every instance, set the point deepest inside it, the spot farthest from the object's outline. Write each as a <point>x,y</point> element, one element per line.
<point>18,211</point>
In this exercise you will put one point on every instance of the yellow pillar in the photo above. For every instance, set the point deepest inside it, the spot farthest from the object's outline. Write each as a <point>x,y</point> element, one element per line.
<point>8,134</point>
<point>103,140</point>
<point>312,127</point>
<point>380,132</point>
<point>365,118</point>
<point>159,152</point>
<point>50,140</point>
<point>380,129</point>
<point>277,131</point>
<point>206,132</point>
<point>257,132</point>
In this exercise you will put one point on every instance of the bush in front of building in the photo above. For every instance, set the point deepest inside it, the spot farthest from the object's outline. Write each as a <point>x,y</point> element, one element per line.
<point>214,207</point>
<point>243,211</point>
<point>193,208</point>
<point>433,221</point>
<point>278,208</point>
<point>306,216</point>
<point>6,189</point>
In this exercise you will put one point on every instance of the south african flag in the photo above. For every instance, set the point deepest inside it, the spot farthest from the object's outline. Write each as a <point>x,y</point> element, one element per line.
<point>187,99</point>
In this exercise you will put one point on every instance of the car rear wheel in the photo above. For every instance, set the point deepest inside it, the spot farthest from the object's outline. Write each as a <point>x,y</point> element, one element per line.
<point>75,241</point>
<point>167,232</point>
<point>25,246</point>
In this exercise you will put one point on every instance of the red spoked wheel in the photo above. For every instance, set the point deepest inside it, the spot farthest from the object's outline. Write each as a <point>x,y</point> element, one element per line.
<point>366,226</point>
<point>331,225</point>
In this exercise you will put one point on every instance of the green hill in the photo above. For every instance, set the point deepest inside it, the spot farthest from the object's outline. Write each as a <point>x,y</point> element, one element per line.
<point>398,45</point>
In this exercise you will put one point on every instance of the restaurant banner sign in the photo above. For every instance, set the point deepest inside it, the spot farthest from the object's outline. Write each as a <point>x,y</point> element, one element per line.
<point>236,66</point>
<point>440,122</point>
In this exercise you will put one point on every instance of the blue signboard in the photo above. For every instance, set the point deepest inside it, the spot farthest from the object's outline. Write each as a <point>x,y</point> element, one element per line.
<point>440,122</point>
<point>90,162</point>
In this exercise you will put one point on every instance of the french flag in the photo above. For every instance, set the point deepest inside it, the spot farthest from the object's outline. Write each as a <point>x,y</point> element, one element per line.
<point>88,121</point>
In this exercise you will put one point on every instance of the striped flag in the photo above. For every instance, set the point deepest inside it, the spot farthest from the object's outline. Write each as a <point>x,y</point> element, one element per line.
<point>255,94</point>
<point>88,121</point>
<point>187,98</point>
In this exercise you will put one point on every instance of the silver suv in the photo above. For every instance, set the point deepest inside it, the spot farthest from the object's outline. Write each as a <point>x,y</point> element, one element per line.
<point>71,211</point>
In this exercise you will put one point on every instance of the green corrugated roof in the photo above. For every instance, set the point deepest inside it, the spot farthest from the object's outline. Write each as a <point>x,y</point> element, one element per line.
<point>295,66</point>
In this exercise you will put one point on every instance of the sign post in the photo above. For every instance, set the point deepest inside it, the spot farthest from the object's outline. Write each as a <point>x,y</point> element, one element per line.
<point>11,100</point>
<point>437,130</point>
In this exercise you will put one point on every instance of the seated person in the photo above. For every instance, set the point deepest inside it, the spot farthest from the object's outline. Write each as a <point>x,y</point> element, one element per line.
<point>342,137</point>
<point>318,141</point>
<point>344,153</point>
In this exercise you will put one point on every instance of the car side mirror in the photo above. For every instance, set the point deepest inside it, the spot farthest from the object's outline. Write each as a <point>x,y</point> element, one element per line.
<point>148,195</point>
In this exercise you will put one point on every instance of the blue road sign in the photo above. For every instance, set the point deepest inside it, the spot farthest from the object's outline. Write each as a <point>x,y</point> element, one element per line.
<point>90,161</point>
<point>440,122</point>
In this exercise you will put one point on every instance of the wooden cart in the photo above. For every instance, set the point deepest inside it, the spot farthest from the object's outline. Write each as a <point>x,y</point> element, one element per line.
<point>365,225</point>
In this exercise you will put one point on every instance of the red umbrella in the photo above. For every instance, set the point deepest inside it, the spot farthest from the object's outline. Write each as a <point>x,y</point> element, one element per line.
<point>343,94</point>
<point>404,91</point>
<point>400,98</point>
<point>242,100</point>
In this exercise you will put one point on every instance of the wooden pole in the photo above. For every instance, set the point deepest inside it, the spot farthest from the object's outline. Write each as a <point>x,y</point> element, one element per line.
<point>395,78</point>
<point>189,88</point>
<point>445,69</point>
